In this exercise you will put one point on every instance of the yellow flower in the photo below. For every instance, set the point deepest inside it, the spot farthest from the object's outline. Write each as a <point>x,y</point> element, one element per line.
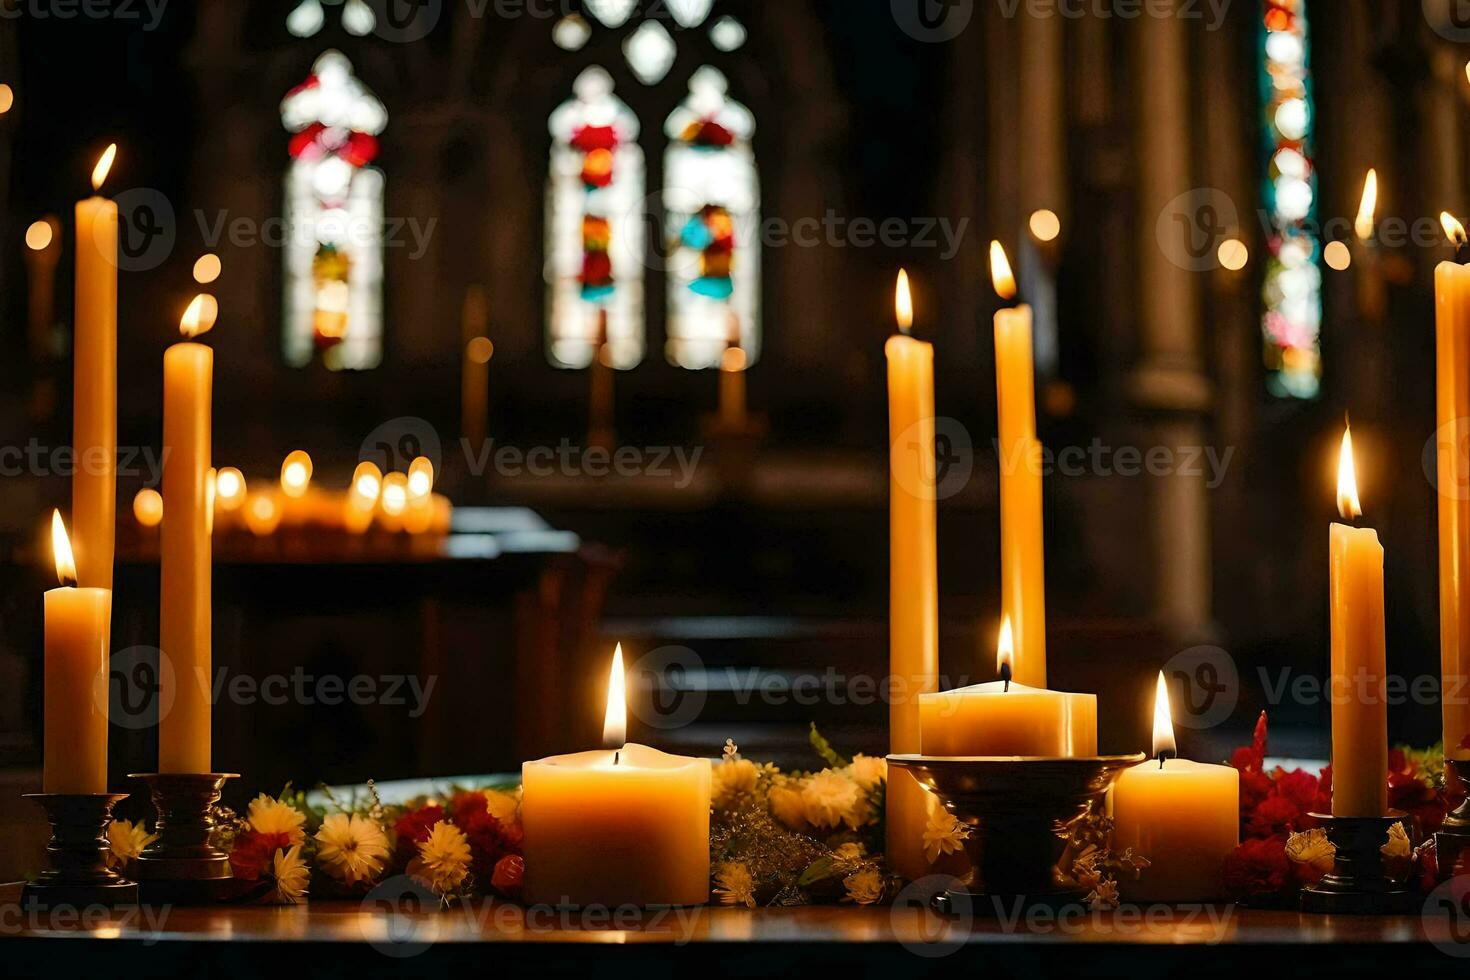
<point>126,841</point>
<point>868,771</point>
<point>787,806</point>
<point>851,851</point>
<point>734,884</point>
<point>444,858</point>
<point>944,835</point>
<point>503,806</point>
<point>270,816</point>
<point>864,887</point>
<point>353,849</point>
<point>733,778</point>
<point>829,798</point>
<point>291,876</point>
<point>1312,848</point>
<point>1398,845</point>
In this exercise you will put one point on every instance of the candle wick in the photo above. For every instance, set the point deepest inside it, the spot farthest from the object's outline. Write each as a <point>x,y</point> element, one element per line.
<point>1164,756</point>
<point>1005,675</point>
<point>617,756</point>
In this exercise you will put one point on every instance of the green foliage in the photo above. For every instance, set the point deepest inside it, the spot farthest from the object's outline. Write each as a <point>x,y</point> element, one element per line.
<point>824,749</point>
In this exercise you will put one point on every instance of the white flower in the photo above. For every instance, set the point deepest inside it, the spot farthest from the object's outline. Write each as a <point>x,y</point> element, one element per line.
<point>868,771</point>
<point>1398,845</point>
<point>864,887</point>
<point>444,858</point>
<point>830,798</point>
<point>268,815</point>
<point>851,851</point>
<point>944,835</point>
<point>353,848</point>
<point>734,885</point>
<point>126,841</point>
<point>291,876</point>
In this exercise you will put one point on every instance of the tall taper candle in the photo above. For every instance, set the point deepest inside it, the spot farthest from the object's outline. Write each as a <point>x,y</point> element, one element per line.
<point>1452,296</point>
<point>185,615</point>
<point>94,396</point>
<point>913,579</point>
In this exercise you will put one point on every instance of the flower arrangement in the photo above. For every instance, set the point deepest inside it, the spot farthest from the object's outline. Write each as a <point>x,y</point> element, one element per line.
<point>1283,849</point>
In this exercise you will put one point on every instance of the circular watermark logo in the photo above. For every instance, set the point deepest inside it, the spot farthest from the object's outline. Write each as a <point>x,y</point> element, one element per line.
<point>1447,917</point>
<point>1204,686</point>
<point>936,477</point>
<point>402,920</point>
<point>405,21</point>
<point>923,929</point>
<point>673,697</point>
<point>933,21</point>
<point>395,444</point>
<point>137,690</point>
<point>1446,459</point>
<point>1192,226</point>
<point>1449,19</point>
<point>147,229</point>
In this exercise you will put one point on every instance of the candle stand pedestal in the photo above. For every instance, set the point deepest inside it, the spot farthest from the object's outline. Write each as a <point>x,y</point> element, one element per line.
<point>1357,883</point>
<point>79,875</point>
<point>182,867</point>
<point>1016,809</point>
<point>1452,843</point>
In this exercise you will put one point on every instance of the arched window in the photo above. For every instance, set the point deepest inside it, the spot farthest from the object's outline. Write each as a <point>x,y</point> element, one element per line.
<point>594,232</point>
<point>333,220</point>
<point>712,199</point>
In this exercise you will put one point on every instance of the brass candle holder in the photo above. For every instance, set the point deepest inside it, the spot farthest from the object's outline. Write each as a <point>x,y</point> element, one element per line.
<point>181,866</point>
<point>1452,843</point>
<point>1016,809</point>
<point>79,875</point>
<point>1357,883</point>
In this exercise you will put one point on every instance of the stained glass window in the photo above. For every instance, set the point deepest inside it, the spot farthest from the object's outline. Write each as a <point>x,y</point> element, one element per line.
<point>712,200</point>
<point>594,234</point>
<point>1292,318</point>
<point>334,220</point>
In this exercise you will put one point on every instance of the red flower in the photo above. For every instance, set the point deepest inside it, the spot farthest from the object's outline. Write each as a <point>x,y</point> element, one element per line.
<point>1275,815</point>
<point>1298,786</point>
<point>490,840</point>
<point>509,872</point>
<point>253,853</point>
<point>1258,869</point>
<point>413,828</point>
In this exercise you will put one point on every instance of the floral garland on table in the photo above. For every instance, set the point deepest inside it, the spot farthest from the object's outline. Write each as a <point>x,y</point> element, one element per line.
<point>282,849</point>
<point>1283,850</point>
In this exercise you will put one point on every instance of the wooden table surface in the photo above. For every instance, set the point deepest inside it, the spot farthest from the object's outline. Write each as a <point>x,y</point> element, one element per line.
<point>1163,941</point>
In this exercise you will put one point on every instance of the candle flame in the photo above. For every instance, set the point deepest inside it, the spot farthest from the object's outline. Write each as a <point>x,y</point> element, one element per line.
<point>1348,504</point>
<point>104,164</point>
<point>200,316</point>
<point>394,497</point>
<point>1000,272</point>
<point>903,302</point>
<point>1005,647</point>
<point>420,477</point>
<point>1164,743</point>
<point>615,721</point>
<point>296,473</point>
<point>1368,208</point>
<point>66,565</point>
<point>1453,229</point>
<point>367,483</point>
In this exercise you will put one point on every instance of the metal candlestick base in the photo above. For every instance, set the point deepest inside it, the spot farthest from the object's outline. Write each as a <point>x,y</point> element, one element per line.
<point>181,867</point>
<point>1452,843</point>
<point>1357,884</point>
<point>1016,808</point>
<point>78,848</point>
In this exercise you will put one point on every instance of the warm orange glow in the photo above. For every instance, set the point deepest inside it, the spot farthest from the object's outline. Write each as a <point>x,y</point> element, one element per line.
<point>479,350</point>
<point>104,164</point>
<point>1337,256</point>
<point>39,236</point>
<point>1453,229</point>
<point>66,565</point>
<point>1001,276</point>
<point>262,514</point>
<point>207,268</point>
<point>7,98</point>
<point>615,721</point>
<point>733,360</point>
<point>395,494</point>
<point>1348,504</point>
<point>1233,254</point>
<point>229,489</point>
<point>1163,721</point>
<point>1368,208</point>
<point>420,477</point>
<point>903,302</point>
<point>1045,225</point>
<point>367,483</point>
<point>1005,647</point>
<point>200,316</point>
<point>296,474</point>
<point>148,507</point>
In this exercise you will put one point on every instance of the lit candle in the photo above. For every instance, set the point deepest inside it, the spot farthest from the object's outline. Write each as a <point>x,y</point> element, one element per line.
<point>732,379</point>
<point>296,472</point>
<point>77,626</point>
<point>627,825</point>
<point>913,577</point>
<point>1183,816</point>
<point>185,616</point>
<point>1452,295</point>
<point>43,250</point>
<point>1022,572</point>
<point>94,418</point>
<point>1371,298</point>
<point>1359,659</point>
<point>1005,718</point>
